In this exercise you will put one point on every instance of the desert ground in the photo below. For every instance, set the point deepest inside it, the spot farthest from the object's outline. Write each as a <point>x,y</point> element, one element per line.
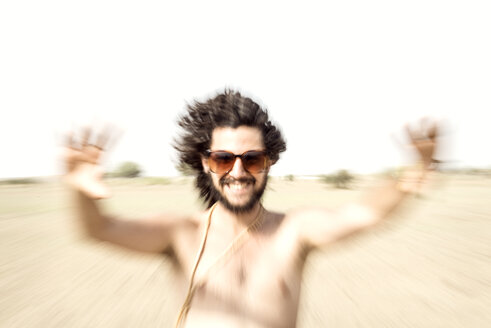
<point>429,265</point>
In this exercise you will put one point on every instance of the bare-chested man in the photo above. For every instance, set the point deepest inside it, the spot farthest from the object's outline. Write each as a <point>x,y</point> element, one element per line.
<point>242,263</point>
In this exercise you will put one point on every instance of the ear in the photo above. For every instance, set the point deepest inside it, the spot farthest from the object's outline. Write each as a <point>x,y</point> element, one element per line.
<point>204,162</point>
<point>269,163</point>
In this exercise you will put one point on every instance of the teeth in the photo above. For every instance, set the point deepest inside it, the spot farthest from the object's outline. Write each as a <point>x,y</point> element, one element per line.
<point>237,186</point>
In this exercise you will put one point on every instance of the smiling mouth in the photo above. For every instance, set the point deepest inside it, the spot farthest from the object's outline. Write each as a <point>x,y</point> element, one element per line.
<point>237,184</point>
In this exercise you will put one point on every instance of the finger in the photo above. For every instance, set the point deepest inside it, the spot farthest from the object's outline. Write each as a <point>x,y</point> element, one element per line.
<point>86,132</point>
<point>433,131</point>
<point>428,127</point>
<point>423,125</point>
<point>69,140</point>
<point>419,131</point>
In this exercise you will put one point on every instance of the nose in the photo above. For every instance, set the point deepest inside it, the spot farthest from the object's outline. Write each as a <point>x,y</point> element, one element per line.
<point>238,169</point>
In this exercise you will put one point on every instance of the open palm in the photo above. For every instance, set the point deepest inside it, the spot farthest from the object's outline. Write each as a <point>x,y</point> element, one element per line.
<point>424,140</point>
<point>82,160</point>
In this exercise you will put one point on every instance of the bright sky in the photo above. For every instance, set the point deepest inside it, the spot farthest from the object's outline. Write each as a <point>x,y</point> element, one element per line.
<point>337,76</point>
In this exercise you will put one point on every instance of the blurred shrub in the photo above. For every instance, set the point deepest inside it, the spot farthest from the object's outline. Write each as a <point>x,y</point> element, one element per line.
<point>17,181</point>
<point>156,180</point>
<point>290,177</point>
<point>340,179</point>
<point>127,170</point>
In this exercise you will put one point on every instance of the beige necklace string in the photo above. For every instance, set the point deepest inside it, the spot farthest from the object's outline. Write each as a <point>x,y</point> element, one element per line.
<point>229,251</point>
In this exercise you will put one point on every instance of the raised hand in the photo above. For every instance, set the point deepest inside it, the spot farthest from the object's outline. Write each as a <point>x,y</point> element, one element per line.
<point>424,140</point>
<point>82,159</point>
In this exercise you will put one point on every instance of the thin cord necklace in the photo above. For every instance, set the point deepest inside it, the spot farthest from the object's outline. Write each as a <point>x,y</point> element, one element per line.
<point>226,254</point>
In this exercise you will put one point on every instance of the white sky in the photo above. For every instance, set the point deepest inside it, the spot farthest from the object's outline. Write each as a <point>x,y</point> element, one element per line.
<point>338,76</point>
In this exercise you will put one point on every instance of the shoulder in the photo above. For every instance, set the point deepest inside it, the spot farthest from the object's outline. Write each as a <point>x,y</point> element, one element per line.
<point>298,231</point>
<point>272,222</point>
<point>292,221</point>
<point>187,238</point>
<point>188,228</point>
<point>173,227</point>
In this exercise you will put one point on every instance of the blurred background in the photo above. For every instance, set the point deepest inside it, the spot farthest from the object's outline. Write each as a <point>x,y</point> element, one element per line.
<point>340,78</point>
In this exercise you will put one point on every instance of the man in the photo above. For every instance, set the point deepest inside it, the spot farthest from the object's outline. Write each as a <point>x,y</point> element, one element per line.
<point>242,263</point>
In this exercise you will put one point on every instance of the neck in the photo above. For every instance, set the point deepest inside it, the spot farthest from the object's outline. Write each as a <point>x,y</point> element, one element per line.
<point>238,221</point>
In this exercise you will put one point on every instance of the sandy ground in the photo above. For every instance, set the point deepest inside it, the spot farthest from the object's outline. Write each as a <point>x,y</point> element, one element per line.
<point>428,266</point>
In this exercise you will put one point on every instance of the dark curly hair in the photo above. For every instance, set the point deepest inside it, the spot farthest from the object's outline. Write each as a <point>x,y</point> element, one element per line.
<point>227,109</point>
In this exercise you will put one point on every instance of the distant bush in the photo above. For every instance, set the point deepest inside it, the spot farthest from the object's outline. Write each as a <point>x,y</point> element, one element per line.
<point>290,177</point>
<point>155,180</point>
<point>127,170</point>
<point>17,181</point>
<point>340,179</point>
<point>476,171</point>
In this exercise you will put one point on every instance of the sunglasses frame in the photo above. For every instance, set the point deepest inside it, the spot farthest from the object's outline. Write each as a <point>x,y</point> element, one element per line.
<point>265,164</point>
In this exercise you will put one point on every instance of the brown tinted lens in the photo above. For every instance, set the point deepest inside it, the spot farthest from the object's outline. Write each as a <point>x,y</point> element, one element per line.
<point>221,161</point>
<point>254,161</point>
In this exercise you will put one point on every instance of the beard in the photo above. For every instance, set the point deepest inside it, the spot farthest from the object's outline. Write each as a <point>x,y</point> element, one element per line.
<point>251,202</point>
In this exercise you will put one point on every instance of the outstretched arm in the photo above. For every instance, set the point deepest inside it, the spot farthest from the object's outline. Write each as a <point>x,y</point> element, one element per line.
<point>318,227</point>
<point>84,178</point>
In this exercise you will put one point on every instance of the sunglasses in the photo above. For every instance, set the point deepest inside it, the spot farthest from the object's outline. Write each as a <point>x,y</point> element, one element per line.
<point>221,162</point>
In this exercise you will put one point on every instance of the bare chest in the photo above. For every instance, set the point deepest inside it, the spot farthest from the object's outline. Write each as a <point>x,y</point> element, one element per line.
<point>255,278</point>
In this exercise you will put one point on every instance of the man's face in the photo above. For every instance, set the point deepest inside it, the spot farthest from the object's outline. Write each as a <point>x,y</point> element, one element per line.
<point>239,190</point>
